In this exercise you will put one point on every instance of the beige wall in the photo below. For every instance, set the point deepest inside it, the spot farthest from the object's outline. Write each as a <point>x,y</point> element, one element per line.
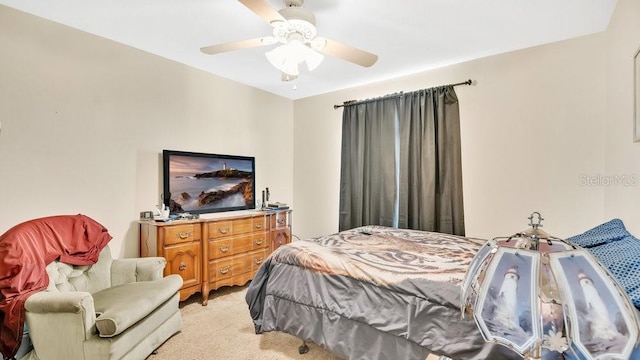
<point>85,119</point>
<point>622,161</point>
<point>532,127</point>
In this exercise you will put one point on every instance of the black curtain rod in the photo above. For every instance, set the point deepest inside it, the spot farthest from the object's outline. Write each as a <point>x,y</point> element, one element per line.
<point>355,102</point>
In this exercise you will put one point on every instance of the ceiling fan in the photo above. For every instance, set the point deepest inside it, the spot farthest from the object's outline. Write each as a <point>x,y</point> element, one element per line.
<point>294,29</point>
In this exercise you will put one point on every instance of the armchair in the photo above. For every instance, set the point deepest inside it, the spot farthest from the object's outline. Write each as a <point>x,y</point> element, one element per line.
<point>114,309</point>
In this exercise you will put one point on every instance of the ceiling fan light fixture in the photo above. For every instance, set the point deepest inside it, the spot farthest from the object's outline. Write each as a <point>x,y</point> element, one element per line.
<point>287,77</point>
<point>287,57</point>
<point>312,58</point>
<point>282,59</point>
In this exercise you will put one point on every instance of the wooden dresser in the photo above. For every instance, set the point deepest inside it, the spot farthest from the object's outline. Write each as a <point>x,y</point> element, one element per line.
<point>222,251</point>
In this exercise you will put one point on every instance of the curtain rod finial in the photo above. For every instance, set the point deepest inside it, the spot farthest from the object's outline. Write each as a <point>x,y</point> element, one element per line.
<point>346,103</point>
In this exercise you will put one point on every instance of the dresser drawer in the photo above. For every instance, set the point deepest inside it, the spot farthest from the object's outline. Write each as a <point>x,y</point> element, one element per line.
<point>181,233</point>
<point>229,246</point>
<point>260,223</point>
<point>237,245</point>
<point>259,240</point>
<point>229,267</point>
<point>242,226</point>
<point>221,248</point>
<point>257,258</point>
<point>220,228</point>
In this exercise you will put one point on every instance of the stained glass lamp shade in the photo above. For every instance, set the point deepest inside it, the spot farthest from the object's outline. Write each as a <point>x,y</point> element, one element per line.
<point>545,298</point>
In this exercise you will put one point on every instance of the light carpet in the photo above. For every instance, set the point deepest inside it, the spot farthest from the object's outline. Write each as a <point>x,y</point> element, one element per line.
<point>223,330</point>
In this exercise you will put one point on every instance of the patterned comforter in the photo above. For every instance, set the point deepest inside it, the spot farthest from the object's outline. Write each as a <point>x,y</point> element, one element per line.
<point>372,293</point>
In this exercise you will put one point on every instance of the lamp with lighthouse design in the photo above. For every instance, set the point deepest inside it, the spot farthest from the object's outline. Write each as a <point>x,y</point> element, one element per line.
<point>545,298</point>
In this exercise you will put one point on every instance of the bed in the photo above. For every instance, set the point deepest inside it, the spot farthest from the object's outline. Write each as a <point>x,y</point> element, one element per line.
<point>372,293</point>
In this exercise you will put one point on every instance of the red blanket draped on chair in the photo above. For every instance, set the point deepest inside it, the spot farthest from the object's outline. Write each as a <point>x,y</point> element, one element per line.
<point>25,251</point>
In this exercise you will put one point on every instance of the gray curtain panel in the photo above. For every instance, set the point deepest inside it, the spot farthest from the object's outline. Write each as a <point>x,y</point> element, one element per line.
<point>401,162</point>
<point>368,168</point>
<point>430,162</point>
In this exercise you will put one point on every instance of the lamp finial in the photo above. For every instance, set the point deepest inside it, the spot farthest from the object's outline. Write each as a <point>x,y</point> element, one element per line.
<point>540,218</point>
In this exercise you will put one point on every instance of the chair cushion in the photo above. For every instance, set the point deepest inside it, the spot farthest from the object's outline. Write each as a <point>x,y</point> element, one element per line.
<point>89,278</point>
<point>121,306</point>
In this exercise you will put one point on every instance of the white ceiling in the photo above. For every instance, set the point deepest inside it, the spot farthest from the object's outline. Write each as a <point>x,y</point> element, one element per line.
<point>409,36</point>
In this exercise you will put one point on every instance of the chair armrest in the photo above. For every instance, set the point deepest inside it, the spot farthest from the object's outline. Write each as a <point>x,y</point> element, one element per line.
<point>60,302</point>
<point>124,271</point>
<point>54,318</point>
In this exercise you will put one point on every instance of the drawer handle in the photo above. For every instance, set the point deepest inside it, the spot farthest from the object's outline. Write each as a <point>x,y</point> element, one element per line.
<point>225,270</point>
<point>281,221</point>
<point>182,266</point>
<point>224,248</point>
<point>259,226</point>
<point>259,241</point>
<point>223,230</point>
<point>257,261</point>
<point>184,235</point>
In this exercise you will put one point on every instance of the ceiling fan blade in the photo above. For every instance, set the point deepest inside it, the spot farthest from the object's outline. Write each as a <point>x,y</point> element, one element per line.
<point>237,45</point>
<point>348,53</point>
<point>264,10</point>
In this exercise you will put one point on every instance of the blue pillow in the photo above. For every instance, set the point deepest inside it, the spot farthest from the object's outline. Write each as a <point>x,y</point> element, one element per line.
<point>622,259</point>
<point>613,230</point>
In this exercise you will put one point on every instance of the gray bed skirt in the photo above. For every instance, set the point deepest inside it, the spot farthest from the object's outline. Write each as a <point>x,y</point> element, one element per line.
<point>359,321</point>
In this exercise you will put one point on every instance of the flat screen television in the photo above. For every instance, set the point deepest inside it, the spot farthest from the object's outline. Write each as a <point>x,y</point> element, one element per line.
<point>200,183</point>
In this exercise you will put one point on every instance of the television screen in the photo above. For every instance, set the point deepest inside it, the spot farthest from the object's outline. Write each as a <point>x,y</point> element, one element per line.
<point>202,183</point>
